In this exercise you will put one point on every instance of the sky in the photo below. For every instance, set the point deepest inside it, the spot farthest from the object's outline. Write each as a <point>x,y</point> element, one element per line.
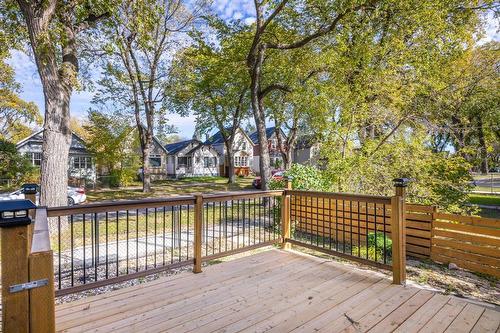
<point>27,75</point>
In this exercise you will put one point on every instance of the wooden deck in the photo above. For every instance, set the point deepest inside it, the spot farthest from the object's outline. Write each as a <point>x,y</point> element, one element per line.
<point>275,291</point>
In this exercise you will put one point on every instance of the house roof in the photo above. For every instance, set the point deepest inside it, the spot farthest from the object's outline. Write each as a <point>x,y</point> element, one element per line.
<point>35,137</point>
<point>201,144</point>
<point>218,139</point>
<point>174,148</point>
<point>255,135</point>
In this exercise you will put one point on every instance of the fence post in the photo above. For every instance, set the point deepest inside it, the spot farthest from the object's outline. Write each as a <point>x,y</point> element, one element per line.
<point>285,215</point>
<point>14,224</point>
<point>198,226</point>
<point>41,268</point>
<point>433,220</point>
<point>398,231</point>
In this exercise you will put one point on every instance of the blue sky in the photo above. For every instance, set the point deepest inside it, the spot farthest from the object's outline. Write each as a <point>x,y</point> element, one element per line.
<point>27,76</point>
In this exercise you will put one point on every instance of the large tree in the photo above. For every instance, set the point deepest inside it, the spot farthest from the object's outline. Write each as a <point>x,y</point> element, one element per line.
<point>53,29</point>
<point>465,106</point>
<point>283,26</point>
<point>139,42</point>
<point>209,80</point>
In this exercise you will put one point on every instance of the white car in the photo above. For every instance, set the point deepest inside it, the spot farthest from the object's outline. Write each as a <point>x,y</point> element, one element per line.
<point>76,195</point>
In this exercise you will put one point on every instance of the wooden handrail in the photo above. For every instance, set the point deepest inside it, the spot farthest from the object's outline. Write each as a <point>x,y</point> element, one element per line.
<point>341,196</point>
<point>103,207</point>
<point>241,195</point>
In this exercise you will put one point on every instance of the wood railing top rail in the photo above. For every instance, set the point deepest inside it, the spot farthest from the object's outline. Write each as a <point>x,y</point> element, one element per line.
<point>217,197</point>
<point>114,206</point>
<point>342,196</point>
<point>102,207</point>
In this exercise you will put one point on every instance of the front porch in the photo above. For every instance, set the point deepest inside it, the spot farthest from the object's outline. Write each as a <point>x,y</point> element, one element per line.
<point>275,291</point>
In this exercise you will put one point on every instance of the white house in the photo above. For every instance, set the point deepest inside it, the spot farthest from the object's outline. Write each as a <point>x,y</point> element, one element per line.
<point>191,158</point>
<point>80,163</point>
<point>242,152</point>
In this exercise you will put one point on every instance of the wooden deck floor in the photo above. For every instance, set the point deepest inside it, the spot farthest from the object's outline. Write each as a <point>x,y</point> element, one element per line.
<point>275,291</point>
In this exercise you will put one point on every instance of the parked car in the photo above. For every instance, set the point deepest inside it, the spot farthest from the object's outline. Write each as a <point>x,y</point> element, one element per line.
<point>76,195</point>
<point>276,175</point>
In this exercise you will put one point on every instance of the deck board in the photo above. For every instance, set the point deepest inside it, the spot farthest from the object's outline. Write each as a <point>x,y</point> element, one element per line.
<point>275,291</point>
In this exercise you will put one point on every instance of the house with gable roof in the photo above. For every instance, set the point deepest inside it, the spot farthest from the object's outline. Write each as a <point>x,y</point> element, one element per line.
<point>242,152</point>
<point>191,158</point>
<point>80,162</point>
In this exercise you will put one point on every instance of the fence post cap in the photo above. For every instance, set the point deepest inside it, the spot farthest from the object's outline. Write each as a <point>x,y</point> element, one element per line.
<point>401,182</point>
<point>14,213</point>
<point>288,178</point>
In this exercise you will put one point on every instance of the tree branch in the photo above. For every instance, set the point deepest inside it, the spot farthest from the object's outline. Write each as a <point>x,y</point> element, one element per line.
<point>274,86</point>
<point>319,33</point>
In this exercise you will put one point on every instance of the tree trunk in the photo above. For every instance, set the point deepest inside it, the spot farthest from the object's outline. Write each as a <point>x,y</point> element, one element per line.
<point>264,160</point>
<point>254,62</point>
<point>230,162</point>
<point>287,162</point>
<point>230,168</point>
<point>482,146</point>
<point>57,93</point>
<point>146,171</point>
<point>55,147</point>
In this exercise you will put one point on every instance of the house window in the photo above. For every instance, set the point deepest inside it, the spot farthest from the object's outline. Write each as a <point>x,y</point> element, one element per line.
<point>82,162</point>
<point>155,160</point>
<point>240,161</point>
<point>273,144</point>
<point>184,161</point>
<point>209,162</point>
<point>244,145</point>
<point>35,158</point>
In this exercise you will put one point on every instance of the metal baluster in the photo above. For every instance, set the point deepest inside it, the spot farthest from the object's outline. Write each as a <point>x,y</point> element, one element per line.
<point>172,235</point>
<point>84,261</point>
<point>155,231</point>
<point>106,229</point>
<point>180,232</point>
<point>59,248</point>
<point>385,237</point>
<point>213,227</point>
<point>127,241</point>
<point>72,259</point>
<point>367,227</point>
<point>147,241</point>
<point>96,242</point>
<point>137,240</point>
<point>375,231</point>
<point>187,234</point>
<point>117,246</point>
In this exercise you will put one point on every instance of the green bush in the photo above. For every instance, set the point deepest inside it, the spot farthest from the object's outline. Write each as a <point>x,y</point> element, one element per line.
<point>304,177</point>
<point>371,251</point>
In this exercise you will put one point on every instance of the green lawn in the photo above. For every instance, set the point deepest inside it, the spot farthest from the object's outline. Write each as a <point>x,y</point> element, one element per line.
<point>485,199</point>
<point>488,200</point>
<point>169,187</point>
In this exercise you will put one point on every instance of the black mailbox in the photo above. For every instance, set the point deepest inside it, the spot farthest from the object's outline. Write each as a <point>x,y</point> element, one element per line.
<point>30,188</point>
<point>14,213</point>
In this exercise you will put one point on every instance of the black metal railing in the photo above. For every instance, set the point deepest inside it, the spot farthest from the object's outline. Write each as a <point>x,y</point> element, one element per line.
<point>353,226</point>
<point>239,222</point>
<point>99,244</point>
